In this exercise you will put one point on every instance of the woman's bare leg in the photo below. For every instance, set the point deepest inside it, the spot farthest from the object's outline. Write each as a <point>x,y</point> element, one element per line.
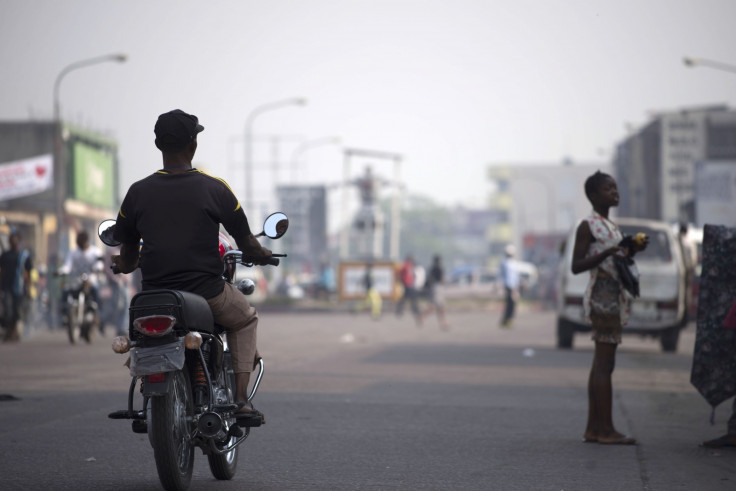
<point>600,395</point>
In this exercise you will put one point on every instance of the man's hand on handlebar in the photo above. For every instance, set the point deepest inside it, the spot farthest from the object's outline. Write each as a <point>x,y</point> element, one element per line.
<point>127,260</point>
<point>256,252</point>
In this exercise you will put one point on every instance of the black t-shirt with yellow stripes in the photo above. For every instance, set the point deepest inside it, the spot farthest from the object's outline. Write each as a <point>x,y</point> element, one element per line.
<point>178,216</point>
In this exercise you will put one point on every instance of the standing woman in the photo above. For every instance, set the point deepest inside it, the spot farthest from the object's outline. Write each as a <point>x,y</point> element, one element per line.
<point>606,303</point>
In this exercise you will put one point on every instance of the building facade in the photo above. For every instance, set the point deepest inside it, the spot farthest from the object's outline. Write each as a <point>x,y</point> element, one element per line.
<point>542,200</point>
<point>656,166</point>
<point>55,180</point>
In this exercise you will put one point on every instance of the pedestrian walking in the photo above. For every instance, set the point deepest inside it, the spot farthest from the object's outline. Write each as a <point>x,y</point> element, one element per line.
<point>606,303</point>
<point>15,275</point>
<point>436,292</point>
<point>509,274</point>
<point>407,277</point>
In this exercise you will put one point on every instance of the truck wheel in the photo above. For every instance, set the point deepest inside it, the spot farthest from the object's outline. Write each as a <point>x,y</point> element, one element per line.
<point>669,339</point>
<point>565,334</point>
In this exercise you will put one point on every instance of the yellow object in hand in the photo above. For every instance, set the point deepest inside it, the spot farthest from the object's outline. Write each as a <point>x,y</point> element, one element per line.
<point>640,238</point>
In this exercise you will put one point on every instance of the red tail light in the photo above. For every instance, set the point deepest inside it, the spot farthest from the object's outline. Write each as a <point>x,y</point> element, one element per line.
<point>156,377</point>
<point>671,305</point>
<point>573,300</point>
<point>154,325</point>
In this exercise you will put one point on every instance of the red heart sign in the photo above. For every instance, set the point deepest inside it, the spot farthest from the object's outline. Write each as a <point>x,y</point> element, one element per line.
<point>40,170</point>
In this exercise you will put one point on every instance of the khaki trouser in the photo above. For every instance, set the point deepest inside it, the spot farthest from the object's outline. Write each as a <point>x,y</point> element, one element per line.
<point>232,311</point>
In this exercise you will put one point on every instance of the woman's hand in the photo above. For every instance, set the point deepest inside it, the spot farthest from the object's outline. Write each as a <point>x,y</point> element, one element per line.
<point>640,242</point>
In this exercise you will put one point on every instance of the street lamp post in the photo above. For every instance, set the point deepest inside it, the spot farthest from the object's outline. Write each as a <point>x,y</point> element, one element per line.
<point>297,101</point>
<point>308,145</point>
<point>59,157</point>
<point>693,62</point>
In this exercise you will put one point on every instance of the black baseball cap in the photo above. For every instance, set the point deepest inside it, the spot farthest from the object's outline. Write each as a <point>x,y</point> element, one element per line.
<point>176,129</point>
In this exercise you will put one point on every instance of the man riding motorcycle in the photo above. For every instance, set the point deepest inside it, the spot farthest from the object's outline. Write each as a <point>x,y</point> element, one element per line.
<point>85,260</point>
<point>177,212</point>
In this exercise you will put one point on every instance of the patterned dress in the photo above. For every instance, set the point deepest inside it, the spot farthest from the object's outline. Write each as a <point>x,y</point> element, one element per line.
<point>606,304</point>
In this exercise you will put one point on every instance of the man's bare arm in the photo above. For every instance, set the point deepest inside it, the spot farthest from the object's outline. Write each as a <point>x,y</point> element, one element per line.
<point>127,261</point>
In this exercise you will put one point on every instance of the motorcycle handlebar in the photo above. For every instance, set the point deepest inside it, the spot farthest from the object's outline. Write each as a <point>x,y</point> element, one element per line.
<point>238,256</point>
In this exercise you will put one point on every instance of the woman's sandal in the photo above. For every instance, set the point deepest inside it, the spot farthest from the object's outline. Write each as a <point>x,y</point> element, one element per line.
<point>720,442</point>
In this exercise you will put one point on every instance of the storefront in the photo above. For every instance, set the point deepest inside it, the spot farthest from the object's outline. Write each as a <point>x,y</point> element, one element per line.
<point>48,200</point>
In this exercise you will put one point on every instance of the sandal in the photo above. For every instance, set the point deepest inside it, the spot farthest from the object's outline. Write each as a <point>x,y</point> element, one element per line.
<point>720,442</point>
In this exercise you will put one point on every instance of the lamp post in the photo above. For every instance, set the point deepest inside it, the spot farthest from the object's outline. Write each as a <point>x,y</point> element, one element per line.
<point>59,157</point>
<point>308,145</point>
<point>693,62</point>
<point>296,101</point>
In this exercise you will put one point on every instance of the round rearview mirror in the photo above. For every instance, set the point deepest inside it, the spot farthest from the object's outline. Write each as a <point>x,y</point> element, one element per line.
<point>105,233</point>
<point>275,225</point>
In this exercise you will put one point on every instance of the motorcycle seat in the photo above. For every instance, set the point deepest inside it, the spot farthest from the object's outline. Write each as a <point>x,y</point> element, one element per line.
<point>192,311</point>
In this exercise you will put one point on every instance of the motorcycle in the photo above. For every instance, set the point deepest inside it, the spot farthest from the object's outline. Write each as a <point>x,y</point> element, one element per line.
<point>78,313</point>
<point>182,361</point>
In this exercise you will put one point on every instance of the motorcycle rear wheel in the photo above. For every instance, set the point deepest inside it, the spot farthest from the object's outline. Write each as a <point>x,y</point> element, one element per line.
<point>223,467</point>
<point>171,431</point>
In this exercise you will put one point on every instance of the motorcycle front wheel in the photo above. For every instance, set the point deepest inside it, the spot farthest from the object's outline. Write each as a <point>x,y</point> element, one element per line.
<point>73,327</point>
<point>171,433</point>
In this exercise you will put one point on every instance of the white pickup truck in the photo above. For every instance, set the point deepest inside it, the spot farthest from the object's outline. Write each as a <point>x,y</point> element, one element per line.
<point>658,312</point>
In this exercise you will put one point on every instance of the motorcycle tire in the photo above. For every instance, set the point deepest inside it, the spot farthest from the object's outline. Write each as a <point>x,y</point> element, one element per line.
<point>223,467</point>
<point>73,329</point>
<point>90,328</point>
<point>171,433</point>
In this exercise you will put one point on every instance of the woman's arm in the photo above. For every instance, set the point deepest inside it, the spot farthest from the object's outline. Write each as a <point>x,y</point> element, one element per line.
<point>583,239</point>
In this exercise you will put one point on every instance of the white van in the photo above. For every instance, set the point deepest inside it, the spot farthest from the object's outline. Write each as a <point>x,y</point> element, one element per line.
<point>659,311</point>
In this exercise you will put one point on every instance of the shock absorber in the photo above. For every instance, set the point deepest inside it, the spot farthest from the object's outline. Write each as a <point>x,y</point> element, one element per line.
<point>198,376</point>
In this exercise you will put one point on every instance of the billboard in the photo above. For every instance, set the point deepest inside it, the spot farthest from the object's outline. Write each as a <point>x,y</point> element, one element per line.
<point>26,177</point>
<point>715,193</point>
<point>92,175</point>
<point>351,280</point>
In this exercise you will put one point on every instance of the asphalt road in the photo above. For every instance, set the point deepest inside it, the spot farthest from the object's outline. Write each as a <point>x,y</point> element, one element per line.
<point>353,403</point>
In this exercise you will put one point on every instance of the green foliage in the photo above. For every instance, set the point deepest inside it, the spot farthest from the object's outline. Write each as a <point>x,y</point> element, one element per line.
<point>426,229</point>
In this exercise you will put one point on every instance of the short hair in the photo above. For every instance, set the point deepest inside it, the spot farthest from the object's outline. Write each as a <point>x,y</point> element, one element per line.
<point>82,237</point>
<point>593,183</point>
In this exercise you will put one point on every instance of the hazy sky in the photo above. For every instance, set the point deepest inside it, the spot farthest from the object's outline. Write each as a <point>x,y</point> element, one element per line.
<point>451,85</point>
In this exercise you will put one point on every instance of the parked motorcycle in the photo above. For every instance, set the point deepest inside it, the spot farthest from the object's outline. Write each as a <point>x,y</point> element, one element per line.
<point>183,363</point>
<point>79,314</point>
